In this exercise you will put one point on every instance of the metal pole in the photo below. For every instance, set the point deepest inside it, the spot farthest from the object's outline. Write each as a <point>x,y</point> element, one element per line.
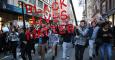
<point>73,11</point>
<point>86,7</point>
<point>24,26</point>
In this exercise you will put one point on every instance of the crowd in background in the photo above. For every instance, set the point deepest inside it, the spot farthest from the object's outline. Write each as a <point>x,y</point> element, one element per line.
<point>98,37</point>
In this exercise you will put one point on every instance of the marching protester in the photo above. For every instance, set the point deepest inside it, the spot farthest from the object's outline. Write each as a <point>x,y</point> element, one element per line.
<point>54,38</point>
<point>105,35</point>
<point>29,43</point>
<point>81,40</point>
<point>92,33</point>
<point>97,41</point>
<point>1,41</point>
<point>13,41</point>
<point>113,31</point>
<point>23,43</point>
<point>43,39</point>
<point>32,38</point>
<point>66,44</point>
<point>4,40</point>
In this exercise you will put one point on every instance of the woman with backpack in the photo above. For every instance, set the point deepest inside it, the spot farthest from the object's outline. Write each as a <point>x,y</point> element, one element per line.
<point>13,40</point>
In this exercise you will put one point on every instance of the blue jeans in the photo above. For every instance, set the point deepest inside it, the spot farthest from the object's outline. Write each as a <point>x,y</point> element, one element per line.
<point>106,47</point>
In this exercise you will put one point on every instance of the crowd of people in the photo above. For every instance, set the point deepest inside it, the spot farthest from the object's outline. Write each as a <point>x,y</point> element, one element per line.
<point>98,38</point>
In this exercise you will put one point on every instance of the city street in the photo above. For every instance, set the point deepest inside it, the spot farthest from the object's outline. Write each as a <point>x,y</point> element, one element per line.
<point>59,56</point>
<point>51,23</point>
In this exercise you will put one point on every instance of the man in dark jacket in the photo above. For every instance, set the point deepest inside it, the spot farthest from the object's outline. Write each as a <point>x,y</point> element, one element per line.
<point>105,34</point>
<point>23,43</point>
<point>113,33</point>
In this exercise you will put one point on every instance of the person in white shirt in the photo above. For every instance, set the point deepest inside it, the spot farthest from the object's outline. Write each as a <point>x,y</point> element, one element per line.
<point>54,38</point>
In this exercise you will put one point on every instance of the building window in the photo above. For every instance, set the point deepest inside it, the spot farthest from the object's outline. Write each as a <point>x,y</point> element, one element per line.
<point>103,7</point>
<point>111,18</point>
<point>114,3</point>
<point>32,1</point>
<point>110,5</point>
<point>107,5</point>
<point>50,9</point>
<point>50,1</point>
<point>12,2</point>
<point>114,20</point>
<point>40,4</point>
<point>25,0</point>
<point>0,23</point>
<point>46,1</point>
<point>98,4</point>
<point>19,5</point>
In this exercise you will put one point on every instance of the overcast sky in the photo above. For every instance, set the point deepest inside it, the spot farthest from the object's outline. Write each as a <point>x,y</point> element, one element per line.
<point>78,9</point>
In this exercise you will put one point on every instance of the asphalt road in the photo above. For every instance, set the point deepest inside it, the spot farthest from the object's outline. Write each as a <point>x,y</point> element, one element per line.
<point>58,57</point>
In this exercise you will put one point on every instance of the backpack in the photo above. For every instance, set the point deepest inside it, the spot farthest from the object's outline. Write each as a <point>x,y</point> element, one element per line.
<point>13,37</point>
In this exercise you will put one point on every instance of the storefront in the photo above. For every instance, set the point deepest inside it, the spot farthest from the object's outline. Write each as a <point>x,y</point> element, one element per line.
<point>8,17</point>
<point>0,23</point>
<point>112,19</point>
<point>12,14</point>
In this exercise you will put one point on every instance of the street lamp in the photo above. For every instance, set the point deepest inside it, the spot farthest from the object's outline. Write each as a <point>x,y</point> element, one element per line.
<point>22,5</point>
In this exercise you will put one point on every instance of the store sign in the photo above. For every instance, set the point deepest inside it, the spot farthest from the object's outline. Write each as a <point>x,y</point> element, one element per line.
<point>13,8</point>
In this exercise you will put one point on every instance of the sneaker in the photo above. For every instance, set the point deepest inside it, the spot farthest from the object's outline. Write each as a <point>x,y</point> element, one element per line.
<point>68,58</point>
<point>13,59</point>
<point>53,57</point>
<point>90,58</point>
<point>63,58</point>
<point>93,55</point>
<point>97,53</point>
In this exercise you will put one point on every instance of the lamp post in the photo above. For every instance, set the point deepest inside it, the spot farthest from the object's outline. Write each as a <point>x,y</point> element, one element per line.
<point>22,5</point>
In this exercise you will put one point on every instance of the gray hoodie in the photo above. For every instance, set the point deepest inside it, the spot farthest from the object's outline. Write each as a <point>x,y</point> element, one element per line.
<point>82,37</point>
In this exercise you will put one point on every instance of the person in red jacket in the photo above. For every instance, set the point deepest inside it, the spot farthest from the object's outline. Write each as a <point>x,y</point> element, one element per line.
<point>27,34</point>
<point>33,38</point>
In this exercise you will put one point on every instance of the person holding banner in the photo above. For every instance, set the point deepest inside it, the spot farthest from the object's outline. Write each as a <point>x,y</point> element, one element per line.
<point>66,35</point>
<point>81,40</point>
